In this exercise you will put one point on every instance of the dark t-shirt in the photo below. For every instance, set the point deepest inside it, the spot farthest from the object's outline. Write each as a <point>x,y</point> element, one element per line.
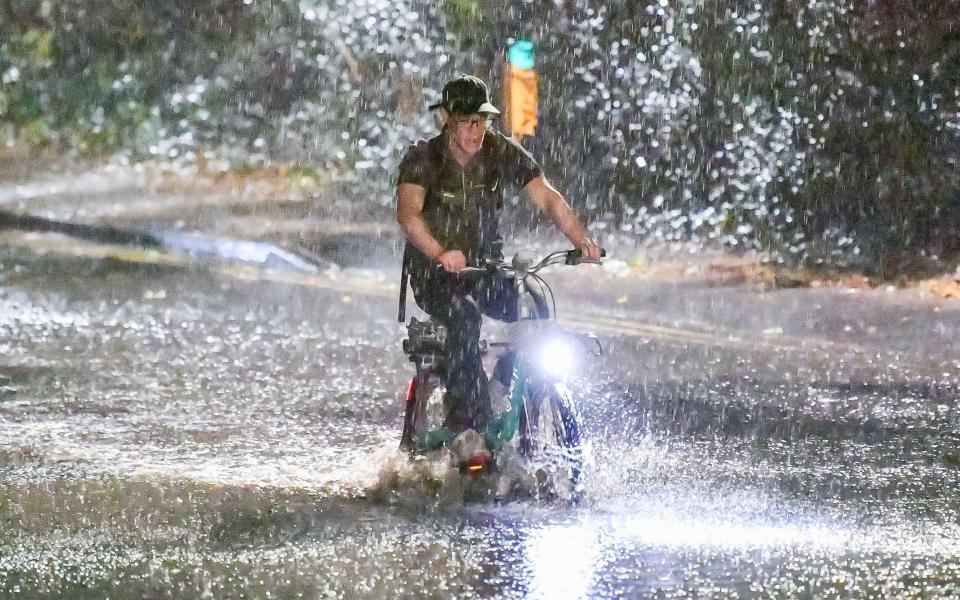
<point>461,205</point>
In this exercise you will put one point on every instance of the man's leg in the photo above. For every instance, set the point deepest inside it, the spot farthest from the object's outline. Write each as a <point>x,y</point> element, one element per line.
<point>466,403</point>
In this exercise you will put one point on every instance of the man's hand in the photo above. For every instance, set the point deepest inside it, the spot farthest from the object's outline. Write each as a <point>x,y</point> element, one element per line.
<point>454,260</point>
<point>590,249</point>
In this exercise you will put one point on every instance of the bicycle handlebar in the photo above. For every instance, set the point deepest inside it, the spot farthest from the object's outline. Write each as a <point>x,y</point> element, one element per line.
<point>503,268</point>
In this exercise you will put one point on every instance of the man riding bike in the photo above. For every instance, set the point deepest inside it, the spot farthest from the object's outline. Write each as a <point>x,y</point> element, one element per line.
<point>449,194</point>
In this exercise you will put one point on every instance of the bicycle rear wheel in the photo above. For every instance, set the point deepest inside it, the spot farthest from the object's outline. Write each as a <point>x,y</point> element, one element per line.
<point>422,412</point>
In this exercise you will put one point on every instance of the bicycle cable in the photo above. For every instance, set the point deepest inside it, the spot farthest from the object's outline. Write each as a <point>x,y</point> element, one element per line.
<point>546,286</point>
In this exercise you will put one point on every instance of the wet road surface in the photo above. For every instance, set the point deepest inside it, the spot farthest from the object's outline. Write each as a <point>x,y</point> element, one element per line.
<point>181,432</point>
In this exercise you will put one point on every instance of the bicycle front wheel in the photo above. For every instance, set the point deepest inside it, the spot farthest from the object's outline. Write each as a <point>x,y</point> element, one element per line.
<point>550,436</point>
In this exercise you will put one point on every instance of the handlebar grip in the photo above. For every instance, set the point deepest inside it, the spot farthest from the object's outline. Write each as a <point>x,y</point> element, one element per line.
<point>467,272</point>
<point>576,254</point>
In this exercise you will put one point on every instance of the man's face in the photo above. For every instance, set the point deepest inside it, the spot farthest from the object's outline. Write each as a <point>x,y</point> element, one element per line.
<point>466,131</point>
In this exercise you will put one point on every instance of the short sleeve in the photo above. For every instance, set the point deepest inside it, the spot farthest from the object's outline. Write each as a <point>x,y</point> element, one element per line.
<point>519,167</point>
<point>412,167</point>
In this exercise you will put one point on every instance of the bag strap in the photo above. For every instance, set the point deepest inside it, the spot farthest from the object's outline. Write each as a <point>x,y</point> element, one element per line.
<point>404,279</point>
<point>402,311</point>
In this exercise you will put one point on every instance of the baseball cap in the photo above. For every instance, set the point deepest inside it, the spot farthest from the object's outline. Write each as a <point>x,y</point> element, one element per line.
<point>465,95</point>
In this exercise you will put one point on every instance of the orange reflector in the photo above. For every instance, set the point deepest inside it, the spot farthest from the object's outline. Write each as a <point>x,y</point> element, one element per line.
<point>477,462</point>
<point>411,389</point>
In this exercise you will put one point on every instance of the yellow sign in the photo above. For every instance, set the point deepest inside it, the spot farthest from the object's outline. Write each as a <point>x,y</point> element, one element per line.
<point>520,99</point>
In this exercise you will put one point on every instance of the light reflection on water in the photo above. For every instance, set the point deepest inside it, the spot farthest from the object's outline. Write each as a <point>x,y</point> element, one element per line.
<point>225,434</point>
<point>562,560</point>
<point>674,531</point>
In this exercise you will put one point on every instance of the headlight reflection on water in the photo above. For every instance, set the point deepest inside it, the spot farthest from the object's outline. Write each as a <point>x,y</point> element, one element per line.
<point>562,561</point>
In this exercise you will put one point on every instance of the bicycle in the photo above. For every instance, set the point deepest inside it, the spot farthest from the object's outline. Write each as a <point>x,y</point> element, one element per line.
<point>539,418</point>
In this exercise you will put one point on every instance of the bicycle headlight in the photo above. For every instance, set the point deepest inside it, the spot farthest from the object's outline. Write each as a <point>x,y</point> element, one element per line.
<point>557,357</point>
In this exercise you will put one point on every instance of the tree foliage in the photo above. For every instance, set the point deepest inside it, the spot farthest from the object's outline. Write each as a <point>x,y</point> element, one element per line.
<point>817,130</point>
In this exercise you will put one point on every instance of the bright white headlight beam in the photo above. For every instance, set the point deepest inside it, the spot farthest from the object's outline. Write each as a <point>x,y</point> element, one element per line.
<point>557,358</point>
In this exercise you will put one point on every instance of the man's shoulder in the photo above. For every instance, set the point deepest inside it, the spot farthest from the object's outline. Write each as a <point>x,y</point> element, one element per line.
<point>505,149</point>
<point>422,148</point>
<point>511,158</point>
<point>495,141</point>
<point>500,144</point>
<point>419,161</point>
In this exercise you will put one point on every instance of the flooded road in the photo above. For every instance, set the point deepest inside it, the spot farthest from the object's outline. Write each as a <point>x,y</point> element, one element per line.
<point>181,432</point>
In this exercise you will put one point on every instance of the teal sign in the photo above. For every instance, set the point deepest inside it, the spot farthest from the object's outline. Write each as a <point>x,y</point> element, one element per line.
<point>520,54</point>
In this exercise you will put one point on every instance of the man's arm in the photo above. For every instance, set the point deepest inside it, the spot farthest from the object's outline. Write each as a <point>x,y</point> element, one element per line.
<point>550,201</point>
<point>410,199</point>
